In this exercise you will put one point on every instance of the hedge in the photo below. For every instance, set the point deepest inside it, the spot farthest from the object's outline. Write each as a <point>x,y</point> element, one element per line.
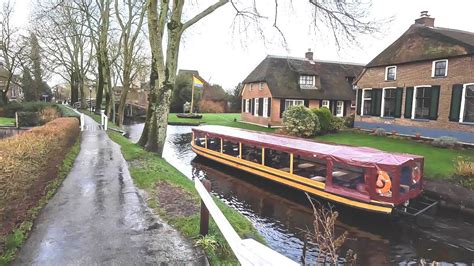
<point>29,162</point>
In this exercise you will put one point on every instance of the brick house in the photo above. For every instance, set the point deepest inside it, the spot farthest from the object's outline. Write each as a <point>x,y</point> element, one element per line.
<point>423,83</point>
<point>279,82</point>
<point>212,98</point>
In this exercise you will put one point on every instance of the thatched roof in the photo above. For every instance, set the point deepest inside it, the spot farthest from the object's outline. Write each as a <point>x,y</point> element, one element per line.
<point>282,76</point>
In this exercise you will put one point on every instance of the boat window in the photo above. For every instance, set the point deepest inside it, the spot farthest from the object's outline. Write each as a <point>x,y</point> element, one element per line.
<point>349,177</point>
<point>231,148</point>
<point>252,153</point>
<point>214,143</point>
<point>199,139</point>
<point>277,159</point>
<point>310,167</point>
<point>410,178</point>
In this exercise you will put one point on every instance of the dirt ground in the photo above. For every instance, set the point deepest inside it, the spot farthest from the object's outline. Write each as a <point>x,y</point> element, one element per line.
<point>175,200</point>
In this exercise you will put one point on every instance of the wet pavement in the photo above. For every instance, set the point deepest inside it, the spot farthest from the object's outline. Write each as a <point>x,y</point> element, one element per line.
<point>97,216</point>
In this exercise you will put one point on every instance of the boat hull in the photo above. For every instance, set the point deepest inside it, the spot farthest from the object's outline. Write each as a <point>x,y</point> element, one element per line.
<point>315,188</point>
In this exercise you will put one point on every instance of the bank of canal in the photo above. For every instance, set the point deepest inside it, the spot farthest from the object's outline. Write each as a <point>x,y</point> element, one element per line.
<point>280,214</point>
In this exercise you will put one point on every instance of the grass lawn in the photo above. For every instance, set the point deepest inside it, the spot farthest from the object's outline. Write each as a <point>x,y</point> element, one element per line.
<point>149,172</point>
<point>6,121</point>
<point>439,162</point>
<point>218,119</point>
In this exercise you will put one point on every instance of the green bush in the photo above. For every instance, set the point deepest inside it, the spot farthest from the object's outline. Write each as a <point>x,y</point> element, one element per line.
<point>336,124</point>
<point>324,116</point>
<point>28,119</point>
<point>13,107</point>
<point>65,111</point>
<point>300,121</point>
<point>349,121</point>
<point>444,142</point>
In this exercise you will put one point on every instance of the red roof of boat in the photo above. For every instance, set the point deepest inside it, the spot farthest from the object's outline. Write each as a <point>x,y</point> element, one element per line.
<point>363,156</point>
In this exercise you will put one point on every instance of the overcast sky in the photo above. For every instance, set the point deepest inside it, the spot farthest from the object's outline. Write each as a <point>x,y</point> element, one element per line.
<point>226,56</point>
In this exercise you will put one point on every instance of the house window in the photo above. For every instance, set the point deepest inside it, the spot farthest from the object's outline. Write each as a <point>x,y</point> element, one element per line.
<point>306,80</point>
<point>440,68</point>
<point>366,102</point>
<point>289,103</point>
<point>389,101</point>
<point>391,73</point>
<point>251,87</point>
<point>325,103</point>
<point>340,108</point>
<point>260,86</point>
<point>247,105</point>
<point>467,104</point>
<point>265,107</point>
<point>255,109</point>
<point>13,92</point>
<point>422,102</point>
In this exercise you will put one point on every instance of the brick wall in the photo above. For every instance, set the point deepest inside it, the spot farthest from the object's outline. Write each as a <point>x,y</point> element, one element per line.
<point>460,71</point>
<point>255,92</point>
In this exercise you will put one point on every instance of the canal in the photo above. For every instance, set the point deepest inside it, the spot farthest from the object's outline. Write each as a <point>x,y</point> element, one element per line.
<point>281,214</point>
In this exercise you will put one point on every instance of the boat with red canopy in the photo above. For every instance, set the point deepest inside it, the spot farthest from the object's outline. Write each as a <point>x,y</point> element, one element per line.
<point>360,177</point>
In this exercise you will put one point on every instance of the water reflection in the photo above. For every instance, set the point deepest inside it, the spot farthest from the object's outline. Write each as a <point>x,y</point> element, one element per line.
<point>280,214</point>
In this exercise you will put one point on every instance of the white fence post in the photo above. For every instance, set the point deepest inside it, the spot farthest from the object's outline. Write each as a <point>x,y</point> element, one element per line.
<point>82,122</point>
<point>247,251</point>
<point>104,120</point>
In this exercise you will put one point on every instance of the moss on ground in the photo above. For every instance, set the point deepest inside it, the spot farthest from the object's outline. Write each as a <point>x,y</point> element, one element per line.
<point>147,170</point>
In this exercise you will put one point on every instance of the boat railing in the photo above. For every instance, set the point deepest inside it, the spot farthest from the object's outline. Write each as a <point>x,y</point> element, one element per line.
<point>247,251</point>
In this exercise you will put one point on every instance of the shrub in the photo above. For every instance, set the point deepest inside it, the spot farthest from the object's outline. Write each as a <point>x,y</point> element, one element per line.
<point>349,121</point>
<point>300,121</point>
<point>336,124</point>
<point>27,165</point>
<point>444,142</point>
<point>48,114</point>
<point>325,117</point>
<point>28,119</point>
<point>380,132</point>
<point>464,170</point>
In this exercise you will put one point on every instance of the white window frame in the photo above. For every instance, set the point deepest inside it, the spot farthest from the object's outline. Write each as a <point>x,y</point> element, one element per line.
<point>362,100</point>
<point>251,86</point>
<point>413,104</point>
<point>260,86</point>
<point>294,102</point>
<point>325,105</point>
<point>342,108</point>
<point>386,73</point>
<point>265,107</point>
<point>463,102</point>
<point>383,100</point>
<point>433,68</point>
<point>307,85</point>
<point>255,107</point>
<point>247,105</point>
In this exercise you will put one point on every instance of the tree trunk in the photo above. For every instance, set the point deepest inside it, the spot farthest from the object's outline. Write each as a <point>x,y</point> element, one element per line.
<point>100,86</point>
<point>123,100</point>
<point>74,88</point>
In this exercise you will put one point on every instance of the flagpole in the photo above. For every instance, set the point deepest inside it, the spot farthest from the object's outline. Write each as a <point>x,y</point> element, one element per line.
<point>192,98</point>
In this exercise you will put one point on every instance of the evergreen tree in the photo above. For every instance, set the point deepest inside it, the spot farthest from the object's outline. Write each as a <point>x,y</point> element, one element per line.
<point>28,86</point>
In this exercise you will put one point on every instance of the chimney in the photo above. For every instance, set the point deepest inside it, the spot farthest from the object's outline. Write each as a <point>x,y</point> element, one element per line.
<point>425,19</point>
<point>309,55</point>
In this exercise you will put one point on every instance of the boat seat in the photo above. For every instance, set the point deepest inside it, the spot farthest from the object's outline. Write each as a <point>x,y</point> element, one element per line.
<point>318,178</point>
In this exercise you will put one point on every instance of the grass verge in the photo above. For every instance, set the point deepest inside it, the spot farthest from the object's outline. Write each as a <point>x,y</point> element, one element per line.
<point>7,121</point>
<point>225,119</point>
<point>15,239</point>
<point>148,171</point>
<point>439,162</point>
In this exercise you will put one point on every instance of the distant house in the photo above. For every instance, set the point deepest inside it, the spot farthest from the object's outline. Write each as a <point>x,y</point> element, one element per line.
<point>15,91</point>
<point>279,82</point>
<point>423,83</point>
<point>212,98</point>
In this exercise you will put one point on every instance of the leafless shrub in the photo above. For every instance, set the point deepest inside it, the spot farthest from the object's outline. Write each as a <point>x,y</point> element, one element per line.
<point>323,235</point>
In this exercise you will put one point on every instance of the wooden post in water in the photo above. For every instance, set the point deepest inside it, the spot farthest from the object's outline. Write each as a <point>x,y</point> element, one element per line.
<point>204,221</point>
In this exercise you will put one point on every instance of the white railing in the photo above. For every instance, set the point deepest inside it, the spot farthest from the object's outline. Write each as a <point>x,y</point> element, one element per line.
<point>247,251</point>
<point>104,120</point>
<point>81,117</point>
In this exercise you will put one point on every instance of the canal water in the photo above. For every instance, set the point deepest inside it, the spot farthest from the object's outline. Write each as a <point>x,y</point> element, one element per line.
<point>281,215</point>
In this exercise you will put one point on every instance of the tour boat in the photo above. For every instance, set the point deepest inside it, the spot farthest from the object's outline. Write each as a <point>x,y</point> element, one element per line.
<point>360,177</point>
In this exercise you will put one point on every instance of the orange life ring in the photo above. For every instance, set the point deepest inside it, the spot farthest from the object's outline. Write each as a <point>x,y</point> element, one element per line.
<point>416,174</point>
<point>384,184</point>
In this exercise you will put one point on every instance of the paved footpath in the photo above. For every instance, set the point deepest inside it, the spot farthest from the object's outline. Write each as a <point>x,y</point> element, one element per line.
<point>97,217</point>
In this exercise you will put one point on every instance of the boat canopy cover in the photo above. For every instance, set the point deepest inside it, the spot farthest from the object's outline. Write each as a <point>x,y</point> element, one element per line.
<point>360,156</point>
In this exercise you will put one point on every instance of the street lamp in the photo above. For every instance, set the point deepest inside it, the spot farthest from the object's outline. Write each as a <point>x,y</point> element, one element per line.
<point>90,99</point>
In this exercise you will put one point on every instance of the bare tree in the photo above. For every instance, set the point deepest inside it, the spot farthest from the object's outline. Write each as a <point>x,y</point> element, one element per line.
<point>130,16</point>
<point>12,48</point>
<point>339,16</point>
